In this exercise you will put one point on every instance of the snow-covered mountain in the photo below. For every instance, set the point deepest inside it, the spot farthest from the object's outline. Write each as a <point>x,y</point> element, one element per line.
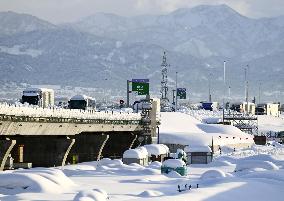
<point>202,31</point>
<point>13,23</point>
<point>104,50</point>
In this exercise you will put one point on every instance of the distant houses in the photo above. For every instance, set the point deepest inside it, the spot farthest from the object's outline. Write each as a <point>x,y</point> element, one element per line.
<point>272,109</point>
<point>244,107</point>
<point>145,154</point>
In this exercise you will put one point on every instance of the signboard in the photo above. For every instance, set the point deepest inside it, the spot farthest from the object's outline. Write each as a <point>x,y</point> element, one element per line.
<point>141,86</point>
<point>181,93</point>
<point>141,80</point>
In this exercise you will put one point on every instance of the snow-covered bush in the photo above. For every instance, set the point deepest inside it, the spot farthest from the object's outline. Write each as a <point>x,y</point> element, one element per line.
<point>213,174</point>
<point>253,164</point>
<point>91,195</point>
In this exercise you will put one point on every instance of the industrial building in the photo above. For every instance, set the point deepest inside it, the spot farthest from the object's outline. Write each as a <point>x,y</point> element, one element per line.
<point>271,109</point>
<point>247,107</point>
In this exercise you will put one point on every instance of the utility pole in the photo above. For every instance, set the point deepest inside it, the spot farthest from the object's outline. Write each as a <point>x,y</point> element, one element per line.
<point>127,95</point>
<point>229,93</point>
<point>176,92</point>
<point>246,87</point>
<point>174,96</point>
<point>210,97</point>
<point>224,88</point>
<point>259,90</point>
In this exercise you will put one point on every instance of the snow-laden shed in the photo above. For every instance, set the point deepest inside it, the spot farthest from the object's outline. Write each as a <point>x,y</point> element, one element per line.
<point>198,154</point>
<point>138,155</point>
<point>157,152</point>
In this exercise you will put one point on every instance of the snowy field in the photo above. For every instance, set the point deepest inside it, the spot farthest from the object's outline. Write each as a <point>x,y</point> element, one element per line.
<point>248,174</point>
<point>255,173</point>
<point>266,123</point>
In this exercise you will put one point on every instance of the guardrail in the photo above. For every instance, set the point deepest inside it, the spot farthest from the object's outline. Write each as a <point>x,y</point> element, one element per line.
<point>14,118</point>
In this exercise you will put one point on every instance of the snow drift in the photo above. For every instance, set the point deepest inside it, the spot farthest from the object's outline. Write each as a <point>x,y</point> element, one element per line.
<point>35,180</point>
<point>91,195</point>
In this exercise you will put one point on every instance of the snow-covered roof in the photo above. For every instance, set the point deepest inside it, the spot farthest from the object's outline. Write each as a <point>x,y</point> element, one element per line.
<point>29,90</point>
<point>173,163</point>
<point>157,149</point>
<point>31,93</point>
<point>32,89</point>
<point>184,129</point>
<point>134,153</point>
<point>143,150</point>
<point>197,149</point>
<point>80,97</point>
<point>250,103</point>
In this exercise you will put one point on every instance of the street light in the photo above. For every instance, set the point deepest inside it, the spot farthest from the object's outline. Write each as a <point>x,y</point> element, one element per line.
<point>224,88</point>
<point>176,91</point>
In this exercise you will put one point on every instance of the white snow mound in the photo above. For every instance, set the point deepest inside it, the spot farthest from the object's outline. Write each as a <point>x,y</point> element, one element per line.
<point>155,165</point>
<point>91,195</point>
<point>173,174</point>
<point>213,174</point>
<point>253,164</point>
<point>109,162</point>
<point>41,180</point>
<point>217,163</point>
<point>150,193</point>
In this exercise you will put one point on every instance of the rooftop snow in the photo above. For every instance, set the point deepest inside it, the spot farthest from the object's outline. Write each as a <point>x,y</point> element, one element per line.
<point>173,163</point>
<point>157,149</point>
<point>180,128</point>
<point>197,149</point>
<point>134,153</point>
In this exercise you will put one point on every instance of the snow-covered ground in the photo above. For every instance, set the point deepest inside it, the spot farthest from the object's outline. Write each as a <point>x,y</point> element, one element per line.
<point>270,123</point>
<point>255,173</point>
<point>266,123</point>
<point>249,174</point>
<point>184,129</point>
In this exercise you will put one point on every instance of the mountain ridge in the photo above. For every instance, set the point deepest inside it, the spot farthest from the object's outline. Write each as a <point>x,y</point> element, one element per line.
<point>131,47</point>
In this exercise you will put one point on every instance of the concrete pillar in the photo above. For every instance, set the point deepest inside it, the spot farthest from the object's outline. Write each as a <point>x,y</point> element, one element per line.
<point>102,146</point>
<point>89,146</point>
<point>133,141</point>
<point>72,142</point>
<point>118,143</point>
<point>42,151</point>
<point>5,148</point>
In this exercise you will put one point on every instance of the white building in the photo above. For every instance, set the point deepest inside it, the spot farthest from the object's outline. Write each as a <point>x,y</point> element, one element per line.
<point>247,107</point>
<point>271,109</point>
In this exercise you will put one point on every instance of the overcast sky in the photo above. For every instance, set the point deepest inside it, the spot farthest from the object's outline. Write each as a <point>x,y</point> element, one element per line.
<point>58,11</point>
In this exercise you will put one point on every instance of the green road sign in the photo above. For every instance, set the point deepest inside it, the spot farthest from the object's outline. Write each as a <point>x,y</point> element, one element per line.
<point>142,88</point>
<point>181,93</point>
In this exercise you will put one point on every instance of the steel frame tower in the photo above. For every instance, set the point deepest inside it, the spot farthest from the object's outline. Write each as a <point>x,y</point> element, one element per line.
<point>164,81</point>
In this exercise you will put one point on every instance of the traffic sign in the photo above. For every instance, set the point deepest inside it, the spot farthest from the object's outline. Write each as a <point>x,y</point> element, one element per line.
<point>141,86</point>
<point>181,93</point>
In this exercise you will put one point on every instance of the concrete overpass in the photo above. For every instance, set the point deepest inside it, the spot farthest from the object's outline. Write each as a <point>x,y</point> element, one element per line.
<point>54,137</point>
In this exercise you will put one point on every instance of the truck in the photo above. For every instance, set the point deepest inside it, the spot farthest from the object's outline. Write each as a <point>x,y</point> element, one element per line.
<point>42,97</point>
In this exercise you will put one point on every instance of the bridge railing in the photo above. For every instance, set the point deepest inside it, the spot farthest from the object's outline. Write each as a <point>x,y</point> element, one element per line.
<point>59,115</point>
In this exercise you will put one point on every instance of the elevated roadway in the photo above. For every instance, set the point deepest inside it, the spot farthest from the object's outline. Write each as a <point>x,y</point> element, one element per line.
<point>54,137</point>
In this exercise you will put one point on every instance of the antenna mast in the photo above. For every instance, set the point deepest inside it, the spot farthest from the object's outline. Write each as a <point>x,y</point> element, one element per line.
<point>164,81</point>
